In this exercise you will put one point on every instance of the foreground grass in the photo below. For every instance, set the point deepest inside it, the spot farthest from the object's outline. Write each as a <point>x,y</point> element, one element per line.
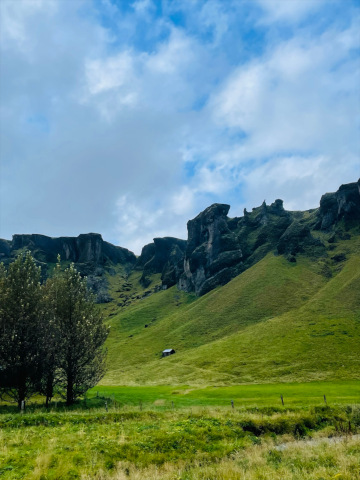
<point>185,443</point>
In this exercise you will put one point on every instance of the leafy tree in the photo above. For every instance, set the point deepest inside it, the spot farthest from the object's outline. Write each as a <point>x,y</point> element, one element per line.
<point>81,356</point>
<point>20,295</point>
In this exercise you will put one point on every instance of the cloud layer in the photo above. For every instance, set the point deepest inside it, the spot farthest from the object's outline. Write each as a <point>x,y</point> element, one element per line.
<point>129,120</point>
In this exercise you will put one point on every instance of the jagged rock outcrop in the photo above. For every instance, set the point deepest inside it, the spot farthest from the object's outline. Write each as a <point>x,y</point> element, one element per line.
<point>165,256</point>
<point>90,253</point>
<point>343,204</point>
<point>213,253</point>
<point>86,248</point>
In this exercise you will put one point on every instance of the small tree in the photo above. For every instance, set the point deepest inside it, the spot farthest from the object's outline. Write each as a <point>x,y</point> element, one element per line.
<point>20,295</point>
<point>81,356</point>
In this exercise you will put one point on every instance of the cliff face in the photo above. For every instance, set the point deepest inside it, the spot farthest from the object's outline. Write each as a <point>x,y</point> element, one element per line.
<point>91,255</point>
<point>165,256</point>
<point>86,248</point>
<point>341,205</point>
<point>213,253</point>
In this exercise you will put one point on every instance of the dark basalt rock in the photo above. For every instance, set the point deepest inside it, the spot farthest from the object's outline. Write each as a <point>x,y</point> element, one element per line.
<point>165,256</point>
<point>86,248</point>
<point>343,204</point>
<point>213,254</point>
<point>91,255</point>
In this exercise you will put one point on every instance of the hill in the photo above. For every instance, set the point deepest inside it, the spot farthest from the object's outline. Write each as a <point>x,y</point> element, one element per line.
<point>271,296</point>
<point>277,321</point>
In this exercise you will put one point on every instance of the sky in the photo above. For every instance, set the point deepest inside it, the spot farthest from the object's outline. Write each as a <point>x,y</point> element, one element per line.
<point>128,118</point>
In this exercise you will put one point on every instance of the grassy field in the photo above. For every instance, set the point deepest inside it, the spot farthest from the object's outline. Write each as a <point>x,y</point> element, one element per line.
<point>294,395</point>
<point>154,440</point>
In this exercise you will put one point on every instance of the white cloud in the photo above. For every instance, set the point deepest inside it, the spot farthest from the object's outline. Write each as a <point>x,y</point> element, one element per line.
<point>288,10</point>
<point>113,72</point>
<point>298,97</point>
<point>15,19</point>
<point>129,123</point>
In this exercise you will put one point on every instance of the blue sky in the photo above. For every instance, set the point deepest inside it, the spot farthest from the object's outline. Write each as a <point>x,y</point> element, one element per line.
<point>128,118</point>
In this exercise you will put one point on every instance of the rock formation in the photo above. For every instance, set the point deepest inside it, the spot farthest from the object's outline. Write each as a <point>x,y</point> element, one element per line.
<point>343,204</point>
<point>213,253</point>
<point>165,256</point>
<point>91,255</point>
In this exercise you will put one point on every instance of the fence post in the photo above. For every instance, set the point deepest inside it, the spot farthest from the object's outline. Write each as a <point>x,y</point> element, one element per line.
<point>106,406</point>
<point>232,403</point>
<point>282,399</point>
<point>325,400</point>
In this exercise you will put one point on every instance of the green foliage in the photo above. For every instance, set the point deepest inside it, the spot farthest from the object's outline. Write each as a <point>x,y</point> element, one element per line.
<point>79,333</point>
<point>20,328</point>
<point>50,336</point>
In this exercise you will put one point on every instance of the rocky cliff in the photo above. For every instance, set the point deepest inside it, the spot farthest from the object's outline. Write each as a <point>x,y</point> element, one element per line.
<point>217,249</point>
<point>213,253</point>
<point>165,256</point>
<point>341,205</point>
<point>90,253</point>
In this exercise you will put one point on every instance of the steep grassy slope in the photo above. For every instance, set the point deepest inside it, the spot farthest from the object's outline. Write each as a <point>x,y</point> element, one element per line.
<point>278,321</point>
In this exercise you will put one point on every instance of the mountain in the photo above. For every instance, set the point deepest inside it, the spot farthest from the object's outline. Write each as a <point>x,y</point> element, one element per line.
<point>270,296</point>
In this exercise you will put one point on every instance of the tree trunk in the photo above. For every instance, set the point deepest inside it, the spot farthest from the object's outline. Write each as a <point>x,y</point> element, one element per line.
<point>70,392</point>
<point>49,389</point>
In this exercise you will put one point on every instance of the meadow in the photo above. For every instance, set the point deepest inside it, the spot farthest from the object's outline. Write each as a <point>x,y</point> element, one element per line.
<point>188,433</point>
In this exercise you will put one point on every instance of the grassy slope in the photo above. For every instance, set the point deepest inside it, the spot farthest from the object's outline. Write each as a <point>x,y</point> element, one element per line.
<point>278,321</point>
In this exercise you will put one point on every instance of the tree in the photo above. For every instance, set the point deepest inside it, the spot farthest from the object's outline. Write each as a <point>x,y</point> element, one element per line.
<point>81,355</point>
<point>20,295</point>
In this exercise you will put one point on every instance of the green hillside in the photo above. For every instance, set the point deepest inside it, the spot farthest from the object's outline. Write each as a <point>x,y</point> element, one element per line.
<point>277,321</point>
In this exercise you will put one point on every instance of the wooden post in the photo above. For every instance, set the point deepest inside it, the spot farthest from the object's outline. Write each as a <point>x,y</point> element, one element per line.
<point>325,399</point>
<point>232,403</point>
<point>106,407</point>
<point>282,399</point>
<point>22,406</point>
